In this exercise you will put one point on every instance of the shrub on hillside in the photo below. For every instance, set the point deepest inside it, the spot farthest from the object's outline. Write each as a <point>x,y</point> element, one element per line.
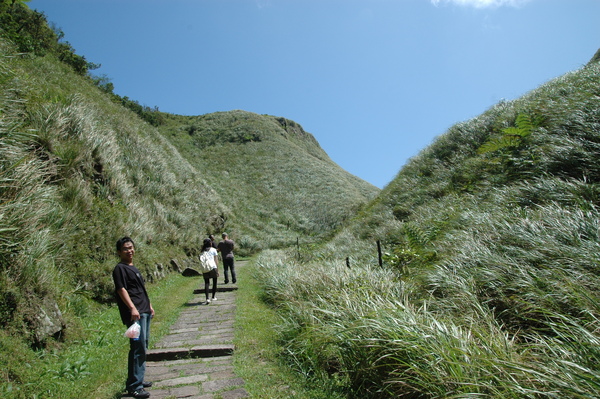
<point>29,31</point>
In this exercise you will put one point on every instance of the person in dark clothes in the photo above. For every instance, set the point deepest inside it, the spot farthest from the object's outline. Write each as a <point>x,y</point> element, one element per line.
<point>213,243</point>
<point>134,306</point>
<point>226,248</point>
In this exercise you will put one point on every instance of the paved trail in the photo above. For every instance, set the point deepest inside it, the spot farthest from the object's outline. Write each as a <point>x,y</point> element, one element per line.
<point>194,360</point>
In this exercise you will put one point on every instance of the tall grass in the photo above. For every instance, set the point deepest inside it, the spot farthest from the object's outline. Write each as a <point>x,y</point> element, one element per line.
<point>490,285</point>
<point>364,329</point>
<point>26,209</point>
<point>69,188</point>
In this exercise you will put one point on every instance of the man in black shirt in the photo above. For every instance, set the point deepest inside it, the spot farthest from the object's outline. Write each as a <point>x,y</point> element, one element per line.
<point>134,306</point>
<point>225,247</point>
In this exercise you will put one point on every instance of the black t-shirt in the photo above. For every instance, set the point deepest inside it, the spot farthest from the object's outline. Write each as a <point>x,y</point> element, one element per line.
<point>129,277</point>
<point>226,248</point>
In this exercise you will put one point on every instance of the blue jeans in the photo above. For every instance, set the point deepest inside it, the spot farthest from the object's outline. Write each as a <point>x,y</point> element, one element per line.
<point>136,365</point>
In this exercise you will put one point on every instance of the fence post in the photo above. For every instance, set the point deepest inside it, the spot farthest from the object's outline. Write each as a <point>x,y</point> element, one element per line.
<point>348,262</point>
<point>379,253</point>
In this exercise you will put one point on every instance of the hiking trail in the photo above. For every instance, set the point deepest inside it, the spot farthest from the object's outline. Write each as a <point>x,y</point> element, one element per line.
<point>194,360</point>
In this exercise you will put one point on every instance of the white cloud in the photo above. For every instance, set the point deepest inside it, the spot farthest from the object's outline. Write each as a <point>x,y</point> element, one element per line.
<point>263,3</point>
<point>482,3</point>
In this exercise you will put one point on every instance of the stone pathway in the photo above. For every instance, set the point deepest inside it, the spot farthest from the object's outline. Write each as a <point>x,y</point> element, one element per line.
<point>194,360</point>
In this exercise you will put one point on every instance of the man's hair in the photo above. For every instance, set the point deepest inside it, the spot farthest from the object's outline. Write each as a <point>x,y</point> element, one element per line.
<point>224,235</point>
<point>122,242</point>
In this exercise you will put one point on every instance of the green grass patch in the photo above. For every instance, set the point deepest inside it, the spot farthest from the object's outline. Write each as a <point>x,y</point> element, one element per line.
<point>94,365</point>
<point>258,355</point>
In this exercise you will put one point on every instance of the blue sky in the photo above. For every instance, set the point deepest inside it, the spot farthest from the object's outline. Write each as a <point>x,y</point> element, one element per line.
<point>375,81</point>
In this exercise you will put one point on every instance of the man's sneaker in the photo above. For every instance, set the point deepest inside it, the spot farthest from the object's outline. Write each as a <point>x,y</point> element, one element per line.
<point>207,301</point>
<point>147,384</point>
<point>140,393</point>
<point>214,299</point>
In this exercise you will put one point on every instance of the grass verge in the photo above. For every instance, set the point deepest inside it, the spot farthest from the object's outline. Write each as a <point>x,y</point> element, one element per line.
<point>95,365</point>
<point>257,357</point>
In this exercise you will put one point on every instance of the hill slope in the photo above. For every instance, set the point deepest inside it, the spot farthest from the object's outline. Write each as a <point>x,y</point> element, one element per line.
<point>78,171</point>
<point>274,178</point>
<point>490,283</point>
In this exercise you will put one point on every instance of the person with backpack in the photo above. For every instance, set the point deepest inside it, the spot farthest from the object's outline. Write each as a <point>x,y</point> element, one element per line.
<point>209,260</point>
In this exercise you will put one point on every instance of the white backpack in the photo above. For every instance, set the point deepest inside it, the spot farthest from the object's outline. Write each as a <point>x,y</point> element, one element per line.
<point>207,260</point>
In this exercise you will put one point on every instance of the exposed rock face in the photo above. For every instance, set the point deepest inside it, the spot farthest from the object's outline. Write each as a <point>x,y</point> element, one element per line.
<point>156,274</point>
<point>175,266</point>
<point>49,321</point>
<point>159,272</point>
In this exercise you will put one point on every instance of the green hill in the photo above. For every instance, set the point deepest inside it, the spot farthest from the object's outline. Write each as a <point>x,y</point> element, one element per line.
<point>81,167</point>
<point>490,279</point>
<point>276,181</point>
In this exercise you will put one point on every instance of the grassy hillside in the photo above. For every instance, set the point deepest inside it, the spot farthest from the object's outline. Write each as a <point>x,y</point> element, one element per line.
<point>78,170</point>
<point>489,286</point>
<point>276,181</point>
<point>490,283</point>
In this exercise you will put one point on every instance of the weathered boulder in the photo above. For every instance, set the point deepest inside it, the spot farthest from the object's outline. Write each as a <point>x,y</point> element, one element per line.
<point>49,321</point>
<point>160,269</point>
<point>175,266</point>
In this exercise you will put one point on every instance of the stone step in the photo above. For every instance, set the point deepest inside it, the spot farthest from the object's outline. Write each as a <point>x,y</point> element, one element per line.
<point>220,288</point>
<point>161,354</point>
<point>194,361</point>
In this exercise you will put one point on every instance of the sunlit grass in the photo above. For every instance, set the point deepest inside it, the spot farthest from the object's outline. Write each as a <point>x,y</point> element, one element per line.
<point>258,355</point>
<point>94,364</point>
<point>490,285</point>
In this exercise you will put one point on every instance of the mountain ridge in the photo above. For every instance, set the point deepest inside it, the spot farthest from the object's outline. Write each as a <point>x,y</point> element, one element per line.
<point>294,158</point>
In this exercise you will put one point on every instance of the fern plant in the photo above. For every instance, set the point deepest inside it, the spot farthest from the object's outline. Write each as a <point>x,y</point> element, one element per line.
<point>412,248</point>
<point>513,137</point>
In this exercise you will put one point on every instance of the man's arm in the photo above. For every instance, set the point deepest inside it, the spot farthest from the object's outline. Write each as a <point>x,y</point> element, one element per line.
<point>124,295</point>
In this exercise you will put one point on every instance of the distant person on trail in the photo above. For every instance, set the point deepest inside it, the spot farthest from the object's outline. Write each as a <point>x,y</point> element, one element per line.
<point>226,249</point>
<point>209,259</point>
<point>134,306</point>
<point>213,243</point>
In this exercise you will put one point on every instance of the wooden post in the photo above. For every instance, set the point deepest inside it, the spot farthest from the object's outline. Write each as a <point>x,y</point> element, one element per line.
<point>298,246</point>
<point>348,262</point>
<point>379,253</point>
